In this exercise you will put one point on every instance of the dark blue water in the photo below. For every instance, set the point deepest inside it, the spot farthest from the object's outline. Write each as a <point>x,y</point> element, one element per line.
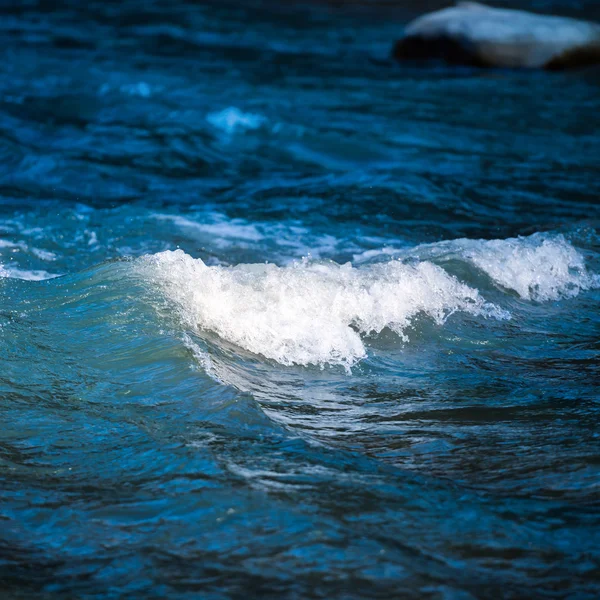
<point>280,318</point>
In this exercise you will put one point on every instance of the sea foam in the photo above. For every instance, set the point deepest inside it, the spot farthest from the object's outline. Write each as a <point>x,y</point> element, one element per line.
<point>309,313</point>
<point>538,268</point>
<point>541,267</point>
<point>231,119</point>
<point>25,274</point>
<point>285,241</point>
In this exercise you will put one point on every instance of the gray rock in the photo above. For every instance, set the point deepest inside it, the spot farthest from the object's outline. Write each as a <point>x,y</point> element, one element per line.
<point>474,34</point>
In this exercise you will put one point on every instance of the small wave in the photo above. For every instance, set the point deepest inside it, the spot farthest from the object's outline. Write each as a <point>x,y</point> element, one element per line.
<point>537,268</point>
<point>27,275</point>
<point>220,229</point>
<point>309,313</point>
<point>541,267</point>
<point>284,241</point>
<point>232,119</point>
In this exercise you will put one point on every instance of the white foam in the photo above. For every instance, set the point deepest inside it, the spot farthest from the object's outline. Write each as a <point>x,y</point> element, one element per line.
<point>232,119</point>
<point>43,254</point>
<point>219,229</point>
<point>33,275</point>
<point>309,313</point>
<point>37,252</point>
<point>289,241</point>
<point>541,267</point>
<point>92,237</point>
<point>538,268</point>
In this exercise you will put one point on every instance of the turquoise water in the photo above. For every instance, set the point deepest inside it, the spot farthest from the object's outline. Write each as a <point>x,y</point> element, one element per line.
<point>280,318</point>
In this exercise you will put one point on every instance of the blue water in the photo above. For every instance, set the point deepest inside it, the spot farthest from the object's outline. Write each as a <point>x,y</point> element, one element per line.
<point>281,318</point>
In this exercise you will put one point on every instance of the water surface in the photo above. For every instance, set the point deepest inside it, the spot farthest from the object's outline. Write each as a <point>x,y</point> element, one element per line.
<point>281,318</point>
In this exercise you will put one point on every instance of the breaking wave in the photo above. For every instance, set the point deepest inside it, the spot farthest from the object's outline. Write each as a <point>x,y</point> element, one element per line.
<point>317,313</point>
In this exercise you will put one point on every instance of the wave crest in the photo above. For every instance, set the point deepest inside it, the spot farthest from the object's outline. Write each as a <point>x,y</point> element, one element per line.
<point>310,313</point>
<point>541,267</point>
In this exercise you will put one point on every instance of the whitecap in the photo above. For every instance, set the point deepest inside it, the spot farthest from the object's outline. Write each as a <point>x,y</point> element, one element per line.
<point>538,268</point>
<point>541,267</point>
<point>309,313</point>
<point>232,119</point>
<point>27,275</point>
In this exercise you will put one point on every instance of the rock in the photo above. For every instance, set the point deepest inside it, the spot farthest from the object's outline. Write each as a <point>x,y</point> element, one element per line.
<point>474,34</point>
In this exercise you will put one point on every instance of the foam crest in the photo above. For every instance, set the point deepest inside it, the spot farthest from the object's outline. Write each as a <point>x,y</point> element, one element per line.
<point>541,267</point>
<point>232,119</point>
<point>537,268</point>
<point>25,274</point>
<point>309,313</point>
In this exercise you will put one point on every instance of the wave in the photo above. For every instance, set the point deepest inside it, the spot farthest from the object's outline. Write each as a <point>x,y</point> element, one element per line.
<point>310,313</point>
<point>232,119</point>
<point>541,267</point>
<point>26,274</point>
<point>283,242</point>
<point>318,313</point>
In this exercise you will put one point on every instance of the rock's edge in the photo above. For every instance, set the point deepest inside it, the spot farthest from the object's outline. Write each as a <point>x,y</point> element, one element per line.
<point>454,49</point>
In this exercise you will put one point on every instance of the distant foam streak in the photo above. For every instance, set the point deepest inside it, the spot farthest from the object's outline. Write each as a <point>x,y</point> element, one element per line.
<point>27,275</point>
<point>232,119</point>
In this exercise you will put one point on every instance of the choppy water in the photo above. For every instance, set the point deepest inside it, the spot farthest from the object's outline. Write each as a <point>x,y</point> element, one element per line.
<point>280,318</point>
